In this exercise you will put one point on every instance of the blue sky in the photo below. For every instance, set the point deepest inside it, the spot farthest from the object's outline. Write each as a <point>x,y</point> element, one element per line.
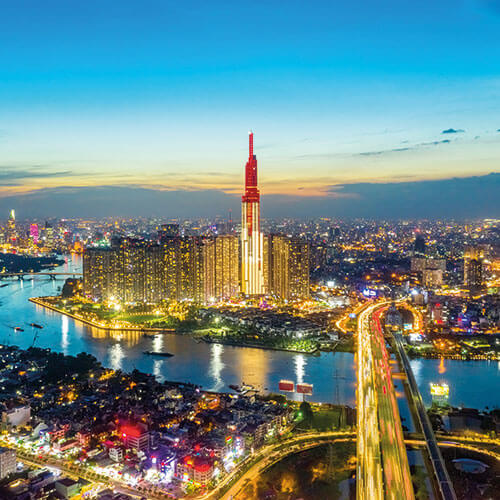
<point>161,94</point>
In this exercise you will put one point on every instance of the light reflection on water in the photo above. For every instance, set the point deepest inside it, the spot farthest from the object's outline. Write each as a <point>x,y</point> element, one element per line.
<point>215,366</point>
<point>64,334</point>
<point>116,356</point>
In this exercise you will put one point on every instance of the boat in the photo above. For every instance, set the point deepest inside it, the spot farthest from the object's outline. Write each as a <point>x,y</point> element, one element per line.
<point>156,353</point>
<point>36,325</point>
<point>149,336</point>
<point>4,284</point>
<point>18,329</point>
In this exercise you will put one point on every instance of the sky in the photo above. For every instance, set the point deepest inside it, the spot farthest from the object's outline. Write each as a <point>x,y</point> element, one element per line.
<point>351,104</point>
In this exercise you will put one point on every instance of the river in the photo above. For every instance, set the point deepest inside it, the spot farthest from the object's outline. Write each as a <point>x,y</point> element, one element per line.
<point>214,366</point>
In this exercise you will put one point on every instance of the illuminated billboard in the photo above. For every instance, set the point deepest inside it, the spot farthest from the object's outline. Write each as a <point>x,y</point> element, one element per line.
<point>286,386</point>
<point>305,389</point>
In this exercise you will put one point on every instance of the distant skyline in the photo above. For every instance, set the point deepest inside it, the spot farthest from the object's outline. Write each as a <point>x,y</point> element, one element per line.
<point>349,103</point>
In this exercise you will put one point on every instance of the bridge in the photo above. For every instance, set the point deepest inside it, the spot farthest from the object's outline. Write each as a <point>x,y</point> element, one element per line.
<point>383,471</point>
<point>51,275</point>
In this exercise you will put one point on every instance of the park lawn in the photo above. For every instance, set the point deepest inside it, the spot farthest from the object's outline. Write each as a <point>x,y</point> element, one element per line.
<point>140,318</point>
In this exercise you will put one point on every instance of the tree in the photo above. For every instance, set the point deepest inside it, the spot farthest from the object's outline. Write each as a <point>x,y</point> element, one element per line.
<point>307,413</point>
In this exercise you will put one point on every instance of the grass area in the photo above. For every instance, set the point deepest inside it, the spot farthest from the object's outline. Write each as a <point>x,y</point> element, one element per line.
<point>136,319</point>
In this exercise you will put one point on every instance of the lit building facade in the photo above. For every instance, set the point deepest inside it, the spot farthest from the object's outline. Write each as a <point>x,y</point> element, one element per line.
<point>11,226</point>
<point>473,267</point>
<point>288,267</point>
<point>252,241</point>
<point>133,271</point>
<point>221,267</point>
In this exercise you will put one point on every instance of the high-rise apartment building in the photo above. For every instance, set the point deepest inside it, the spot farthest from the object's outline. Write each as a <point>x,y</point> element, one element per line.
<point>221,267</point>
<point>288,267</point>
<point>252,241</point>
<point>139,271</point>
<point>473,267</point>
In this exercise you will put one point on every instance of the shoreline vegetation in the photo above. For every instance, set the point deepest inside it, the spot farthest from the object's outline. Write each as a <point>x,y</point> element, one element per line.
<point>181,323</point>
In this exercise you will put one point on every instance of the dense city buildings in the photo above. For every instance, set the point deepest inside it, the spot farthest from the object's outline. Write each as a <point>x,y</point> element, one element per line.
<point>128,427</point>
<point>202,268</point>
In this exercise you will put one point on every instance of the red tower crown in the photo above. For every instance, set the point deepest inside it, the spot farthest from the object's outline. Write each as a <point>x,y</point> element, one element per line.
<point>251,191</point>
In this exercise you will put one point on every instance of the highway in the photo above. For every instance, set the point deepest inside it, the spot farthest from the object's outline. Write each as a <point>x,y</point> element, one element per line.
<point>397,477</point>
<point>369,482</point>
<point>383,471</point>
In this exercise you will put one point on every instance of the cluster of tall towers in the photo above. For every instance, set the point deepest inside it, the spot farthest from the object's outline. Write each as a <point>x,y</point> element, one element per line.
<point>203,269</point>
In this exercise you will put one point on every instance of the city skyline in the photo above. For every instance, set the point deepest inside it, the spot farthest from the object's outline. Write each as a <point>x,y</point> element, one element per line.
<point>159,99</point>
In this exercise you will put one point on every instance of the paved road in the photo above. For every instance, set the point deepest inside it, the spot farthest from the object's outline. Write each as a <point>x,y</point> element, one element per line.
<point>397,477</point>
<point>383,470</point>
<point>369,480</point>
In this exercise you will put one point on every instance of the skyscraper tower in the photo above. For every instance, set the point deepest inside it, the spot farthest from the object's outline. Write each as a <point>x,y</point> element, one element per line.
<point>252,240</point>
<point>11,226</point>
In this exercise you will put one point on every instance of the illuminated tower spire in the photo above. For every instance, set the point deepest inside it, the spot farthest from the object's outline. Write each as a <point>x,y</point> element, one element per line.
<point>252,242</point>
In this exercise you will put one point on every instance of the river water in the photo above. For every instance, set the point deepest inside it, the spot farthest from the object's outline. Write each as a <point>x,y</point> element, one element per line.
<point>214,366</point>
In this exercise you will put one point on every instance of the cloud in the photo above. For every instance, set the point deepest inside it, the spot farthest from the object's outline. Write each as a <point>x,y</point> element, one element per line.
<point>400,150</point>
<point>12,176</point>
<point>456,198</point>
<point>453,131</point>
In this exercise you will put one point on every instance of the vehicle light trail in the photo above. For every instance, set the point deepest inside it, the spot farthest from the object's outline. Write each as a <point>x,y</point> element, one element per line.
<point>383,471</point>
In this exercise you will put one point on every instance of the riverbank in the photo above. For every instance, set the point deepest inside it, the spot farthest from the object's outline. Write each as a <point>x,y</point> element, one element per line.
<point>50,302</point>
<point>43,302</point>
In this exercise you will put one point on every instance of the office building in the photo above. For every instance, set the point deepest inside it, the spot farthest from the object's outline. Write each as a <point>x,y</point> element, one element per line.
<point>252,241</point>
<point>11,227</point>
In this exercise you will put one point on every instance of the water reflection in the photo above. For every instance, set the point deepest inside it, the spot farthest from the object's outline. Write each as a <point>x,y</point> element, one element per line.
<point>252,366</point>
<point>157,343</point>
<point>442,368</point>
<point>116,356</point>
<point>157,369</point>
<point>416,365</point>
<point>216,366</point>
<point>64,334</point>
<point>300,367</point>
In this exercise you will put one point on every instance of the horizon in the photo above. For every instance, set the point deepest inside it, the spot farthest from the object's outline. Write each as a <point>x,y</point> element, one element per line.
<point>102,98</point>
